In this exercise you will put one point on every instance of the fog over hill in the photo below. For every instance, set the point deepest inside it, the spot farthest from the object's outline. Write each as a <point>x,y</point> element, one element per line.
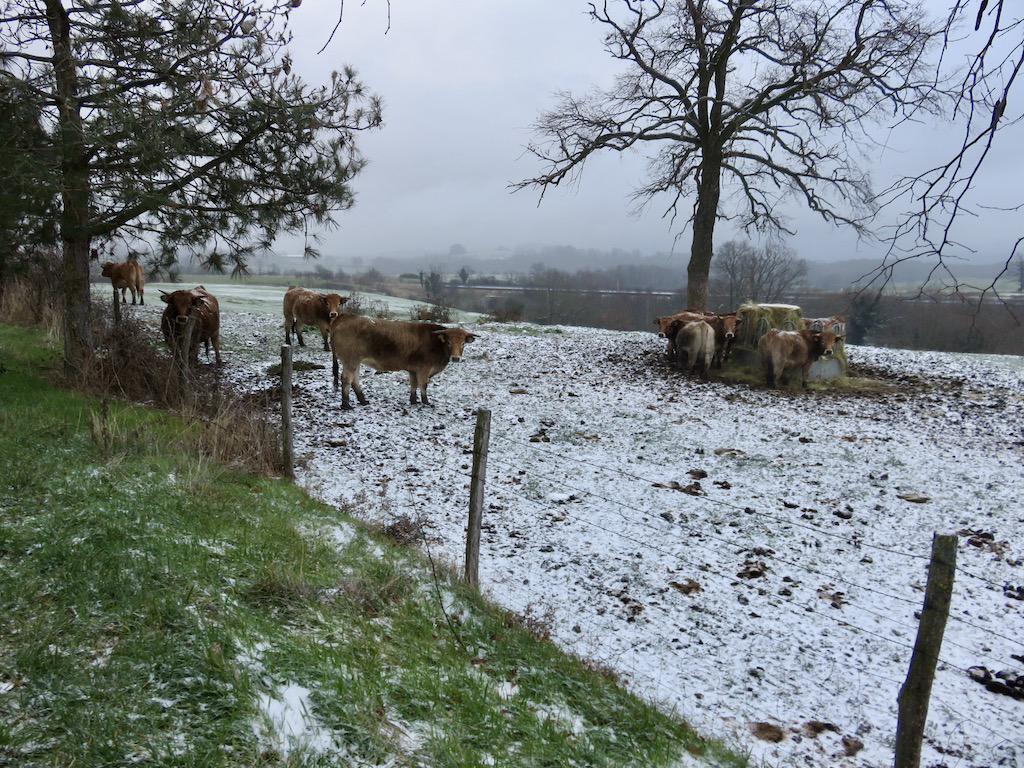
<point>660,271</point>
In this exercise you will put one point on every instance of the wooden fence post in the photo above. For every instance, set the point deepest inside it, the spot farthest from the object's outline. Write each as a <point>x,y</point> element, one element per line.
<point>287,431</point>
<point>914,695</point>
<point>117,310</point>
<point>481,440</point>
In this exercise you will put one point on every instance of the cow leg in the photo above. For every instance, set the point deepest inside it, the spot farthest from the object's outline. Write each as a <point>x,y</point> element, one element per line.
<point>298,332</point>
<point>356,387</point>
<point>326,335</point>
<point>142,296</point>
<point>288,341</point>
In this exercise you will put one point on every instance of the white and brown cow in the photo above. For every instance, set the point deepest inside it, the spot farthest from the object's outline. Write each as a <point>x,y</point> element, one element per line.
<point>785,351</point>
<point>303,307</point>
<point>126,275</point>
<point>695,345</point>
<point>422,349</point>
<point>192,302</point>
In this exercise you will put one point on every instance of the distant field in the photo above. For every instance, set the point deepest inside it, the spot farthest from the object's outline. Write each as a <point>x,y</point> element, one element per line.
<point>263,297</point>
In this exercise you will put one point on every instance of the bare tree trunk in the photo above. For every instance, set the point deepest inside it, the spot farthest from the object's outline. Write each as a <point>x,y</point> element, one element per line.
<point>703,248</point>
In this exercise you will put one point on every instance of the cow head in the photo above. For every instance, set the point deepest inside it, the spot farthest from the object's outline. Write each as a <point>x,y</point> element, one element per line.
<point>826,342</point>
<point>732,324</point>
<point>454,339</point>
<point>663,323</point>
<point>182,303</point>
<point>333,302</point>
<point>107,268</point>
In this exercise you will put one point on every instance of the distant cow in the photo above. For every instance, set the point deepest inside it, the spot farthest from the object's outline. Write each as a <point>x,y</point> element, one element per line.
<point>185,303</point>
<point>427,316</point>
<point>695,345</point>
<point>785,351</point>
<point>303,306</point>
<point>126,275</point>
<point>422,349</point>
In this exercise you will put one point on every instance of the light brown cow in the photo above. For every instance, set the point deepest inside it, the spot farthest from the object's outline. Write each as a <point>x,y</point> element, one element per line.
<point>666,321</point>
<point>422,349</point>
<point>785,351</point>
<point>303,306</point>
<point>126,275</point>
<point>185,303</point>
<point>826,324</point>
<point>427,316</point>
<point>695,345</point>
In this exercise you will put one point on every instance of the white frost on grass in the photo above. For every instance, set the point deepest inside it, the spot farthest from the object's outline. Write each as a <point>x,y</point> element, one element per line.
<point>291,724</point>
<point>782,589</point>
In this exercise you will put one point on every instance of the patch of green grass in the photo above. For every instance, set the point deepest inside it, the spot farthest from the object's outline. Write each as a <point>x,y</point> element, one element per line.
<point>159,609</point>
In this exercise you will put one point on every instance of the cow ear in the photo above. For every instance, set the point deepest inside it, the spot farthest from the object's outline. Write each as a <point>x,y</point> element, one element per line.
<point>164,296</point>
<point>343,300</point>
<point>470,338</point>
<point>197,301</point>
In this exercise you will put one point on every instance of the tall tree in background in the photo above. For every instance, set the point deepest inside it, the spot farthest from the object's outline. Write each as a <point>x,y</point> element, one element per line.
<point>744,273</point>
<point>774,98</point>
<point>178,126</point>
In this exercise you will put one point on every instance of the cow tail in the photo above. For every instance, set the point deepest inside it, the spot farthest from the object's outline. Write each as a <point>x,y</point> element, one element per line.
<point>334,368</point>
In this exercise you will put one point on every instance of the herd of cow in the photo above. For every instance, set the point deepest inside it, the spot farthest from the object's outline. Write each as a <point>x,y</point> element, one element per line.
<point>697,340</point>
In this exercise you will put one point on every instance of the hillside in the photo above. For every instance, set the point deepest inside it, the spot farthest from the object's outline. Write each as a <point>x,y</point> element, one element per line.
<point>157,609</point>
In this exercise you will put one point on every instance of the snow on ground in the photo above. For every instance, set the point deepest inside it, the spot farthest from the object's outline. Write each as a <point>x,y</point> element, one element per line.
<point>742,556</point>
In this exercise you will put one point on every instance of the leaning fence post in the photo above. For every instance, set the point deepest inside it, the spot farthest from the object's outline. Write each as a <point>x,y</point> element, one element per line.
<point>481,439</point>
<point>914,695</point>
<point>287,432</point>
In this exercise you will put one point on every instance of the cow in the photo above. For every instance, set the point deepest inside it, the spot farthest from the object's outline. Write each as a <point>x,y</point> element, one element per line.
<point>426,316</point>
<point>666,321</point>
<point>303,307</point>
<point>725,327</point>
<point>785,351</point>
<point>126,275</point>
<point>193,302</point>
<point>825,324</point>
<point>422,349</point>
<point>695,345</point>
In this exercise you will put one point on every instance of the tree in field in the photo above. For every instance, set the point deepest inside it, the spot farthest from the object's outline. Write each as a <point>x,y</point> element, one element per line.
<point>176,127</point>
<point>744,273</point>
<point>742,104</point>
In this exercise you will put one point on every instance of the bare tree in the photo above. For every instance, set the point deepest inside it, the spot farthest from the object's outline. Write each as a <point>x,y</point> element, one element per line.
<point>772,97</point>
<point>744,273</point>
<point>994,34</point>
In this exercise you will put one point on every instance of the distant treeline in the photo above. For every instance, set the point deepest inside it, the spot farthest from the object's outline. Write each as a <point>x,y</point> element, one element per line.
<point>630,296</point>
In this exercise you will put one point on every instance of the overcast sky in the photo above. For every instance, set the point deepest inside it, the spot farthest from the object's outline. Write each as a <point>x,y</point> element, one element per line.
<point>461,88</point>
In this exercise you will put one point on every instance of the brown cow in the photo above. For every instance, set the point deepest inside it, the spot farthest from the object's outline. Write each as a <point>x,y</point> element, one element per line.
<point>725,334</point>
<point>422,349</point>
<point>303,307</point>
<point>695,345</point>
<point>126,275</point>
<point>201,304</point>
<point>785,351</point>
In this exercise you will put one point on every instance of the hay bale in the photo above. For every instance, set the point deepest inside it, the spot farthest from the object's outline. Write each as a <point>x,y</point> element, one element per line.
<point>758,319</point>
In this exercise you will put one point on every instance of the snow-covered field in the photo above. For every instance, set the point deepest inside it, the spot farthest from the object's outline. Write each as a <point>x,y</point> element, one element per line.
<point>751,559</point>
